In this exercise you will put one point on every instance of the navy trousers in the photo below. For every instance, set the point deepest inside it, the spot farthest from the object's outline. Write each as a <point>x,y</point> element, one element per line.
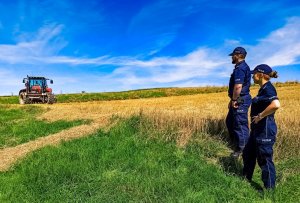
<point>237,124</point>
<point>260,148</point>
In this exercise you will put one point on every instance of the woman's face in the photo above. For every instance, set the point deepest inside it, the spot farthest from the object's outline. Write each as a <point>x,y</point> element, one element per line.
<point>256,78</point>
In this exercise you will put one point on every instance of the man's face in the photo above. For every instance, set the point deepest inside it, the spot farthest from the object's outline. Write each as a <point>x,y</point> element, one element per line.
<point>235,59</point>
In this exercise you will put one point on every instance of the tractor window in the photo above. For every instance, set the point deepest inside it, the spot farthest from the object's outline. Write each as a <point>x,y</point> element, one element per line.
<point>36,82</point>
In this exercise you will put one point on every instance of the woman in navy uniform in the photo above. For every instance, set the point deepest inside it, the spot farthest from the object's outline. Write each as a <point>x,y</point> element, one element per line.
<point>263,128</point>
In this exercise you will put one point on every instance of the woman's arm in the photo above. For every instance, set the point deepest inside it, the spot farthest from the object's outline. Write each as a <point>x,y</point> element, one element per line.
<point>275,104</point>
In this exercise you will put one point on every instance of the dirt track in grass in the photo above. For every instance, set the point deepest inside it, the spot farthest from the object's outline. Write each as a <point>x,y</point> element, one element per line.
<point>10,155</point>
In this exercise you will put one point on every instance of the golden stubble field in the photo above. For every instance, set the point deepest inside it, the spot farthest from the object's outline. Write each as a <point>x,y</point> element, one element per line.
<point>203,112</point>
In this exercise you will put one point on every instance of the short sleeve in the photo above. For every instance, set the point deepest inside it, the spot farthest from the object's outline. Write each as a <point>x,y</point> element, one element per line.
<point>239,76</point>
<point>271,94</point>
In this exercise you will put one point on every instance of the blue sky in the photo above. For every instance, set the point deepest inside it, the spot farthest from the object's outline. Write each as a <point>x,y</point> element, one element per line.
<point>116,45</point>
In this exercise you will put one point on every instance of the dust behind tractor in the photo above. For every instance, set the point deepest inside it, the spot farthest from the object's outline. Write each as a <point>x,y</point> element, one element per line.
<point>36,91</point>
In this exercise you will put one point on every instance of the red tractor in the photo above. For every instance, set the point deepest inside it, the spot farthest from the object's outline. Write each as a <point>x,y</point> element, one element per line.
<point>36,91</point>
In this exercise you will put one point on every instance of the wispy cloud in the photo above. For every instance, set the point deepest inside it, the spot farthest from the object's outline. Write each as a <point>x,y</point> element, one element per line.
<point>169,71</point>
<point>33,49</point>
<point>280,48</point>
<point>44,47</point>
<point>160,21</point>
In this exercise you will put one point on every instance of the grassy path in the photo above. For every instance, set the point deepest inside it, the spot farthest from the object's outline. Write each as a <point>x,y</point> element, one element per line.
<point>8,156</point>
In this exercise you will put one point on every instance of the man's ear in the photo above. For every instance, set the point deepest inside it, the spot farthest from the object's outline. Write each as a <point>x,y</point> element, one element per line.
<point>241,56</point>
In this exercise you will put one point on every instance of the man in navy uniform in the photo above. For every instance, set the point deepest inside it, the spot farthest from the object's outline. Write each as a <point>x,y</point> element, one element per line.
<point>240,101</point>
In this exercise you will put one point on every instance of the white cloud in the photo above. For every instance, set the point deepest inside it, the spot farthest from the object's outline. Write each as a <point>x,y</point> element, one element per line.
<point>169,71</point>
<point>33,49</point>
<point>280,48</point>
<point>201,62</point>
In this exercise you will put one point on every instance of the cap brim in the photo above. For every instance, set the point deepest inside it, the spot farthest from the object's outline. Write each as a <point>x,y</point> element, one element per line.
<point>252,71</point>
<point>231,54</point>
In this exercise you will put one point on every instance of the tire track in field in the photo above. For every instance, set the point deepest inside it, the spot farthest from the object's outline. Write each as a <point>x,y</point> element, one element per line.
<point>10,155</point>
<point>100,113</point>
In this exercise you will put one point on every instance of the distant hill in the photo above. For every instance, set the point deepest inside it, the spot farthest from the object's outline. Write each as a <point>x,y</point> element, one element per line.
<point>136,94</point>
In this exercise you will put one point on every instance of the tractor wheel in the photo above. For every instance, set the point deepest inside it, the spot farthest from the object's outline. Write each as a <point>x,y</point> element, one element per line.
<point>50,99</point>
<point>27,100</point>
<point>23,99</point>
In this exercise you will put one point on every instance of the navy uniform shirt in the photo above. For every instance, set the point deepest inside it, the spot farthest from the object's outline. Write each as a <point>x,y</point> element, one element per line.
<point>266,94</point>
<point>241,75</point>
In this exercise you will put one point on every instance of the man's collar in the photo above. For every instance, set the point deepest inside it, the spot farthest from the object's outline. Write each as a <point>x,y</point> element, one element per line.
<point>240,62</point>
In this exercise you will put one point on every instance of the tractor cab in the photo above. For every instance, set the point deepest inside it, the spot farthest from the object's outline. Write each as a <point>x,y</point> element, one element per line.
<point>37,84</point>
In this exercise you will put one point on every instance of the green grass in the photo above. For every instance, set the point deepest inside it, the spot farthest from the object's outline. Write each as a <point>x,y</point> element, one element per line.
<point>9,100</point>
<point>134,162</point>
<point>134,94</point>
<point>137,94</point>
<point>19,125</point>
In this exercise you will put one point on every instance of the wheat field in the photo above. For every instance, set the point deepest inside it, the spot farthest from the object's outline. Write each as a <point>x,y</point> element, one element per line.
<point>194,113</point>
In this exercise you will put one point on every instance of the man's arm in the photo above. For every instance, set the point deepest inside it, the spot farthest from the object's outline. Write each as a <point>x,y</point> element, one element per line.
<point>236,93</point>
